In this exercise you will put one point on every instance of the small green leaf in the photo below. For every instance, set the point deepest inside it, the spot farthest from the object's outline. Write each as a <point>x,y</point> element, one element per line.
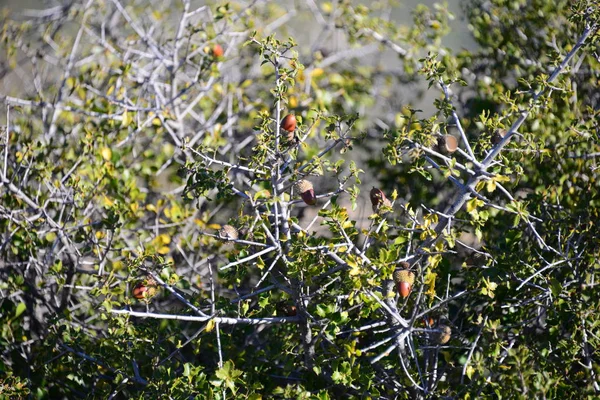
<point>20,309</point>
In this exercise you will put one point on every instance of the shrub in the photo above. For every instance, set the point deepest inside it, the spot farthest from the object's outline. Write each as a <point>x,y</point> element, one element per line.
<point>166,232</point>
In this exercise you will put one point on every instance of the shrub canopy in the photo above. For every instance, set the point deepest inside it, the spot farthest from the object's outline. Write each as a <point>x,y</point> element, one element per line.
<point>164,234</point>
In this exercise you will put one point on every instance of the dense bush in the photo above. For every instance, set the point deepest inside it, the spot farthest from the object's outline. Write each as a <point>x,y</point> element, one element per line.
<point>164,235</point>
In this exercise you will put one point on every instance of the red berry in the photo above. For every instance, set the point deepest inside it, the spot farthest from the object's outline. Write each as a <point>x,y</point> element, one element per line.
<point>289,123</point>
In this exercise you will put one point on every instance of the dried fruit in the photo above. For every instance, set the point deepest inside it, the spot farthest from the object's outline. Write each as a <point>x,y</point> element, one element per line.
<point>228,232</point>
<point>145,289</point>
<point>404,280</point>
<point>217,50</point>
<point>497,136</point>
<point>447,144</point>
<point>288,123</point>
<point>444,334</point>
<point>307,191</point>
<point>378,200</point>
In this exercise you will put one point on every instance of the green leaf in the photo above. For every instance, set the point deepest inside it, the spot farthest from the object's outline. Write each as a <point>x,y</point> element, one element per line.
<point>187,368</point>
<point>470,371</point>
<point>555,287</point>
<point>21,307</point>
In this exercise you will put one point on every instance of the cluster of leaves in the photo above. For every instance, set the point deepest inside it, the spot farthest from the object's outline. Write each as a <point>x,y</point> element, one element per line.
<point>138,156</point>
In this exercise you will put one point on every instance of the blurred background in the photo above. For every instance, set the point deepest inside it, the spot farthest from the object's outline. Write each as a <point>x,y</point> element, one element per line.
<point>302,25</point>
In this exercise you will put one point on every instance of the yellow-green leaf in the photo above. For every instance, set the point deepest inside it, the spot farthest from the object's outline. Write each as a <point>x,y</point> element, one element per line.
<point>210,325</point>
<point>470,371</point>
<point>106,153</point>
<point>127,119</point>
<point>20,309</point>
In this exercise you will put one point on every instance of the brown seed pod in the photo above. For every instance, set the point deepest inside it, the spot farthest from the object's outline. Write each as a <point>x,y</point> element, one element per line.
<point>447,144</point>
<point>217,51</point>
<point>228,232</point>
<point>444,334</point>
<point>404,280</point>
<point>307,191</point>
<point>497,136</point>
<point>288,123</point>
<point>145,289</point>
<point>378,200</point>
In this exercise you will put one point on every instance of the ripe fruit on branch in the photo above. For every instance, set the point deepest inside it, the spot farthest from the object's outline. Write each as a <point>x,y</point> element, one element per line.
<point>444,334</point>
<point>288,123</point>
<point>307,191</point>
<point>228,232</point>
<point>145,289</point>
<point>217,51</point>
<point>447,144</point>
<point>404,279</point>
<point>378,200</point>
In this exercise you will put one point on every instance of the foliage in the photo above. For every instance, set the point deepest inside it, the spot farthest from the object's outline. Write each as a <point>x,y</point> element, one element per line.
<point>132,142</point>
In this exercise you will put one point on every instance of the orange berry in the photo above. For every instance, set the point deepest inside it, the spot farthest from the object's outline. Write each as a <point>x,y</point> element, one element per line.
<point>217,50</point>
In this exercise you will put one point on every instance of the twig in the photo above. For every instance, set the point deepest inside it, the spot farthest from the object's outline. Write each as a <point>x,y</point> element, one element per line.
<point>220,320</point>
<point>249,258</point>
